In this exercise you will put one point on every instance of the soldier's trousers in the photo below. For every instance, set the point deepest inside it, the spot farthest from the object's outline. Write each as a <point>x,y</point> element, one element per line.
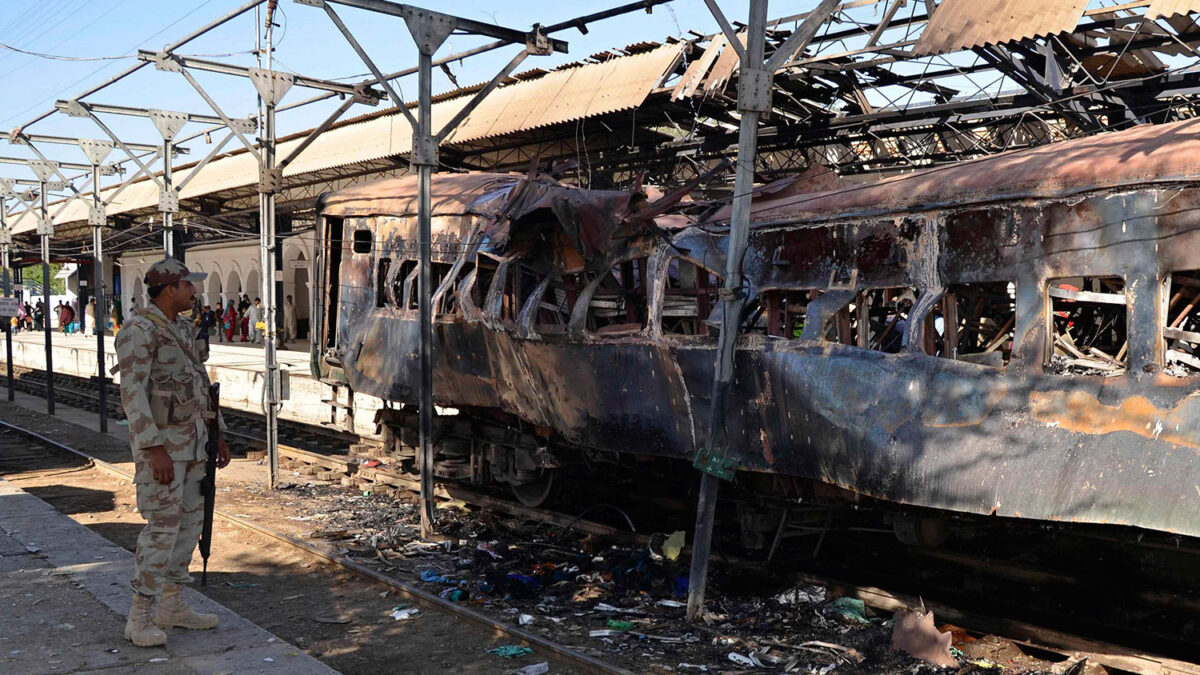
<point>174,516</point>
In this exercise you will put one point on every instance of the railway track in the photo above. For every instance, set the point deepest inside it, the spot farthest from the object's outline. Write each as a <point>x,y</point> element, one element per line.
<point>334,462</point>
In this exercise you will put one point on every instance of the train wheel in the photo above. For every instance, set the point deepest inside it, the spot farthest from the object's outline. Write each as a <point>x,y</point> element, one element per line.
<point>538,491</point>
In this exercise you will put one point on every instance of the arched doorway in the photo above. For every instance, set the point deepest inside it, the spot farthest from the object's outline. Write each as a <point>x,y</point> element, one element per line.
<point>137,298</point>
<point>253,289</point>
<point>301,296</point>
<point>233,287</point>
<point>213,297</point>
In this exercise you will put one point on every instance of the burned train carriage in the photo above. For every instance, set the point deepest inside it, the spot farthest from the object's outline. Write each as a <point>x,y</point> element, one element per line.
<point>1013,336</point>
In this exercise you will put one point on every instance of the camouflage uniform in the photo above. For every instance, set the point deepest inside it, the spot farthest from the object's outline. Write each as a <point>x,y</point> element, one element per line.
<point>164,390</point>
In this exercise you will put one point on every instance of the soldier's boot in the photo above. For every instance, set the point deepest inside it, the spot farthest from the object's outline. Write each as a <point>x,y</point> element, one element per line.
<point>173,611</point>
<point>139,628</point>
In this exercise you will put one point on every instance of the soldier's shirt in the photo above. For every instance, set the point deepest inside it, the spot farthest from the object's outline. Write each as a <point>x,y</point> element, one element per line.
<point>164,386</point>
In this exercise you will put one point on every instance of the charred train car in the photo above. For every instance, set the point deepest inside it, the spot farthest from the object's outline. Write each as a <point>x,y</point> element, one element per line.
<point>1011,336</point>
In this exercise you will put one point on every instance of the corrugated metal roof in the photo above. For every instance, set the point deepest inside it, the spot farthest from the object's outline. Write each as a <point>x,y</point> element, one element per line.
<point>964,24</point>
<point>572,94</point>
<point>1166,8</point>
<point>560,96</point>
<point>696,70</point>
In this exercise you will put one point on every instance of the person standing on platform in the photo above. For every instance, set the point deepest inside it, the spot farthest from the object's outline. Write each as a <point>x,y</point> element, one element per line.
<point>66,317</point>
<point>254,317</point>
<point>230,320</point>
<point>165,394</point>
<point>243,307</point>
<point>289,320</point>
<point>89,318</point>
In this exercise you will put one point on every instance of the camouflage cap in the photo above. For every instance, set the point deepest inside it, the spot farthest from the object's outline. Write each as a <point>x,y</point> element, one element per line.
<point>168,271</point>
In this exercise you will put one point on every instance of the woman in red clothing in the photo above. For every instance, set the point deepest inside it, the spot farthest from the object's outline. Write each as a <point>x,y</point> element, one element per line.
<point>231,318</point>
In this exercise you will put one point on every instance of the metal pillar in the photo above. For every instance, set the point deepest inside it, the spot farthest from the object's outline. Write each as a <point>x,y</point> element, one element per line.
<point>45,227</point>
<point>421,159</point>
<point>6,243</point>
<point>272,89</point>
<point>97,217</point>
<point>754,88</point>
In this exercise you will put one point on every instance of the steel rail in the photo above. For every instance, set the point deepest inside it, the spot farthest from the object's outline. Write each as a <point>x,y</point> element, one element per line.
<point>584,662</point>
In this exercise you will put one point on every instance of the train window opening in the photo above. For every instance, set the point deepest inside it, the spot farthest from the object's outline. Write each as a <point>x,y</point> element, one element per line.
<point>519,285</point>
<point>619,303</point>
<point>400,282</point>
<point>381,276</point>
<point>1182,329</point>
<point>782,312</point>
<point>554,309</point>
<point>362,241</point>
<point>973,323</point>
<point>876,319</point>
<point>689,298</point>
<point>485,271</point>
<point>1087,326</point>
<point>449,300</point>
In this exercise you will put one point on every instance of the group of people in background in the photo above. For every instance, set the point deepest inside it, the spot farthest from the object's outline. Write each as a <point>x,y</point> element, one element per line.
<point>240,318</point>
<point>243,317</point>
<point>33,317</point>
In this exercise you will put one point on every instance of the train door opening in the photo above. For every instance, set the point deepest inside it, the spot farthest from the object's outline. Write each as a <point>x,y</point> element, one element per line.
<point>334,228</point>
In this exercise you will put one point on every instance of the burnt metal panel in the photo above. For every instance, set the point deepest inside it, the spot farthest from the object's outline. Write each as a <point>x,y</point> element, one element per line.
<point>1139,157</point>
<point>965,24</point>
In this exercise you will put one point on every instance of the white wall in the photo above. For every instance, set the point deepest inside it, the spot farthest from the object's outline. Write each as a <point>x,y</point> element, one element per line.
<point>232,265</point>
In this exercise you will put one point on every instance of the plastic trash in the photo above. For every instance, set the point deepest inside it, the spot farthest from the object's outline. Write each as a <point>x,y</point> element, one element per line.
<point>405,614</point>
<point>604,632</point>
<point>510,651</point>
<point>853,609</point>
<point>673,545</point>
<point>620,625</point>
<point>433,577</point>
<point>742,660</point>
<point>673,604</point>
<point>809,595</point>
<point>533,669</point>
<point>525,619</point>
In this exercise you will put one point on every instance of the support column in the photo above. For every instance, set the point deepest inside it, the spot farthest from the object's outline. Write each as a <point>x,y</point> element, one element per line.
<point>100,322</point>
<point>425,146</point>
<point>44,229</point>
<point>6,242</point>
<point>714,462</point>
<point>283,227</point>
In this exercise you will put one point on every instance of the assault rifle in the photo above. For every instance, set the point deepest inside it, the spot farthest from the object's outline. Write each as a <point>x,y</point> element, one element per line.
<point>208,485</point>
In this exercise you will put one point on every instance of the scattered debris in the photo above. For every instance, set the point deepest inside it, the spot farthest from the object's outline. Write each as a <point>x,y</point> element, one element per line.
<point>853,609</point>
<point>404,614</point>
<point>533,669</point>
<point>673,545</point>
<point>915,633</point>
<point>510,651</point>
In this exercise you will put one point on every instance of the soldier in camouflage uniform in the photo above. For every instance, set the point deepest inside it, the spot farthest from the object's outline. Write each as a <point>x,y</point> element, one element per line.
<point>164,390</point>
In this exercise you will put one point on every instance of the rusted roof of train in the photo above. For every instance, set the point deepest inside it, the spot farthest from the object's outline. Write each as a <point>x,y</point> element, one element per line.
<point>1144,155</point>
<point>452,195</point>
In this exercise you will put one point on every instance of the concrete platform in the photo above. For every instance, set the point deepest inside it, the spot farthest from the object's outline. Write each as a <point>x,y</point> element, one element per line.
<point>237,366</point>
<point>65,592</point>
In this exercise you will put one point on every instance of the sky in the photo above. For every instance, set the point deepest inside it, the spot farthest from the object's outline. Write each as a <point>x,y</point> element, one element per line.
<point>103,33</point>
